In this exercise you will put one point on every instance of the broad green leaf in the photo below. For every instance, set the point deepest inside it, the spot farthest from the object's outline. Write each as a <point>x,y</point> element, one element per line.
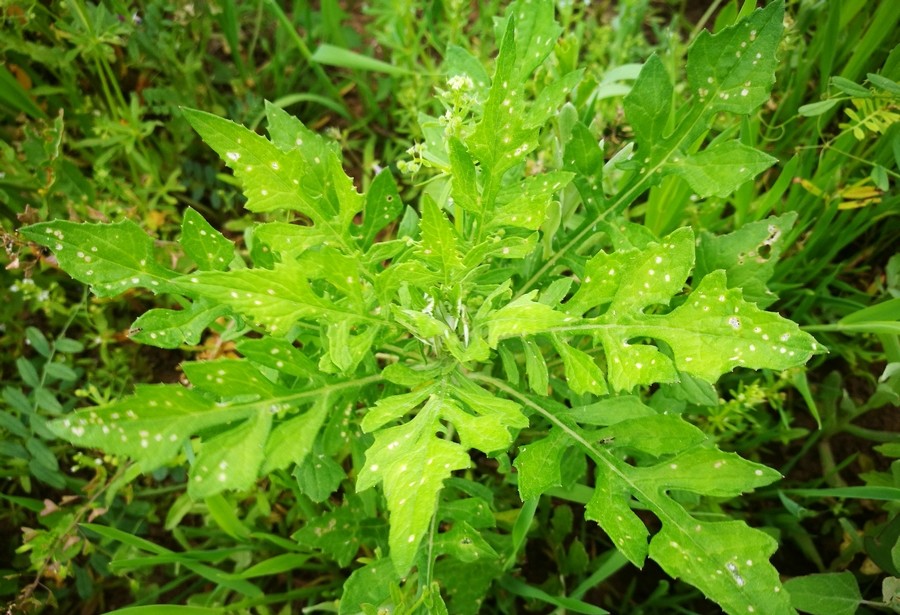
<point>716,330</point>
<point>310,181</point>
<point>486,433</point>
<point>551,98</point>
<point>345,348</point>
<point>727,560</point>
<point>654,434</point>
<point>748,256</point>
<point>337,533</point>
<point>319,476</point>
<point>721,168</point>
<point>383,206</point>
<point>391,408</point>
<point>112,258</point>
<point>536,32</point>
<point>279,355</point>
<point>500,141</point>
<point>832,593</point>
<point>539,464</point>
<point>289,240</point>
<point>291,440</point>
<point>464,177</point>
<point>610,507</point>
<point>439,240</point>
<point>734,69</point>
<point>368,585</point>
<point>633,279</point>
<point>288,133</point>
<point>610,411</point>
<point>166,328</point>
<point>711,333</point>
<point>649,104</point>
<point>230,460</point>
<point>203,244</point>
<point>464,543</point>
<point>584,156</point>
<point>483,403</point>
<point>525,204</point>
<point>536,367</point>
<point>470,582</point>
<point>582,372</point>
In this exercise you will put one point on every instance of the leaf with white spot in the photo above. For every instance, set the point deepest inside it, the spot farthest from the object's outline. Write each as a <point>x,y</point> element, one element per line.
<point>203,244</point>
<point>500,140</point>
<point>439,240</point>
<point>521,317</point>
<point>150,426</point>
<point>383,206</point>
<point>721,168</point>
<point>338,533</point>
<point>727,560</point>
<point>112,258</point>
<point>540,464</point>
<point>291,440</point>
<point>166,328</point>
<point>412,462</point>
<point>525,204</point>
<point>734,69</point>
<point>748,255</point>
<point>230,460</point>
<point>274,298</point>
<point>228,378</point>
<point>278,354</point>
<point>305,179</point>
<point>319,476</point>
<point>289,240</point>
<point>713,331</point>
<point>582,372</point>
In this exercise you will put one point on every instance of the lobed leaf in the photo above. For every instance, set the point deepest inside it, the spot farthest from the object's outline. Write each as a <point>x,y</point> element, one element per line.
<point>411,462</point>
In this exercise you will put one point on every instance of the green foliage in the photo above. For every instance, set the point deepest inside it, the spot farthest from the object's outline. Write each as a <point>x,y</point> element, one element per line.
<point>393,389</point>
<point>419,338</point>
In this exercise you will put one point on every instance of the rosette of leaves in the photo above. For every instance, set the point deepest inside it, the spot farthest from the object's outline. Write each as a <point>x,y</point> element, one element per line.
<point>415,324</point>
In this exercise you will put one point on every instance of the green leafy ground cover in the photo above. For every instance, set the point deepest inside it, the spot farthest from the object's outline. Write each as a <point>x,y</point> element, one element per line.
<point>609,324</point>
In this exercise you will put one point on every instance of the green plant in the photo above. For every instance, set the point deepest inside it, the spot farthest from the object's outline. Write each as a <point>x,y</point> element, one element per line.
<point>513,313</point>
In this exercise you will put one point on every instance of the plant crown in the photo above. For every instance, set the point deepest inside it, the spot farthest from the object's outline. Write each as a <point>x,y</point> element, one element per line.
<point>513,312</point>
